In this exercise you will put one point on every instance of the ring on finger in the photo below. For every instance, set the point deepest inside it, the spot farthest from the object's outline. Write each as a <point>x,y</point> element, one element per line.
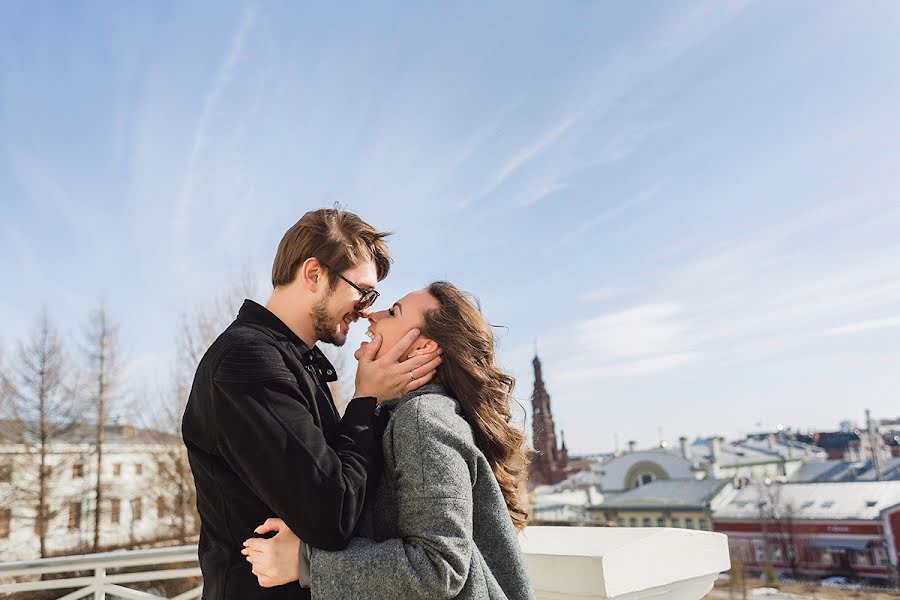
<point>411,376</point>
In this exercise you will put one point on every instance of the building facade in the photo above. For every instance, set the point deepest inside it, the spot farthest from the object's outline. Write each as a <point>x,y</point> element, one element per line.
<point>140,500</point>
<point>816,529</point>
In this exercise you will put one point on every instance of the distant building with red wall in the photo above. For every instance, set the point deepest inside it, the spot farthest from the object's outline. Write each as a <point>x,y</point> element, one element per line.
<point>847,528</point>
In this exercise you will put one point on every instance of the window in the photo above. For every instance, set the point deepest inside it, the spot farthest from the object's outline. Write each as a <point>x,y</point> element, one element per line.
<point>6,472</point>
<point>776,553</point>
<point>136,510</point>
<point>632,522</point>
<point>162,509</point>
<point>74,516</point>
<point>827,559</point>
<point>117,470</point>
<point>660,522</point>
<point>688,523</point>
<point>703,525</point>
<point>647,522</point>
<point>77,471</point>
<point>862,558</point>
<point>115,510</point>
<point>5,520</point>
<point>676,522</point>
<point>759,552</point>
<point>620,522</point>
<point>139,469</point>
<point>881,557</point>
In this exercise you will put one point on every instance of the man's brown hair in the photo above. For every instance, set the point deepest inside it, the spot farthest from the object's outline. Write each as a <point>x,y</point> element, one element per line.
<point>337,238</point>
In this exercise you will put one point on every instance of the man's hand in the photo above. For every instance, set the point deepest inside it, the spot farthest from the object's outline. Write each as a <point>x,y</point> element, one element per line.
<point>387,378</point>
<point>274,560</point>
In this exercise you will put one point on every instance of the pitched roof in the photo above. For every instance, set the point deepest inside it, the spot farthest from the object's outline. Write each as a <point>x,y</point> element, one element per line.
<point>840,470</point>
<point>695,493</point>
<point>14,431</point>
<point>858,500</point>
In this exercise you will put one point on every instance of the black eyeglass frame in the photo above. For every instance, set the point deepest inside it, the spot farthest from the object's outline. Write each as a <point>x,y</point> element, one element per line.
<point>366,297</point>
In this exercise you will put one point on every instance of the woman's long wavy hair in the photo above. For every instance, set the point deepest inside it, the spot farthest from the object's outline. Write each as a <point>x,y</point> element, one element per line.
<point>471,375</point>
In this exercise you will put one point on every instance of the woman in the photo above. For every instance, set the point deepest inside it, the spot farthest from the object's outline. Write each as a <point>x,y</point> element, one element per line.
<point>449,504</point>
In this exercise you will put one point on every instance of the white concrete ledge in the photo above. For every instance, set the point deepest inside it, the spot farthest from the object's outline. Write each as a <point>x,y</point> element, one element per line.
<point>624,564</point>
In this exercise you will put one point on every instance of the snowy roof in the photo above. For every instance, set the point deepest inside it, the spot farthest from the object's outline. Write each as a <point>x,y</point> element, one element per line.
<point>753,450</point>
<point>17,432</point>
<point>670,493</point>
<point>820,471</point>
<point>826,501</point>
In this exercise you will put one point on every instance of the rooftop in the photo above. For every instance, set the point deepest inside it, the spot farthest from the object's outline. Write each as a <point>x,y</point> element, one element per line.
<point>860,500</point>
<point>670,493</point>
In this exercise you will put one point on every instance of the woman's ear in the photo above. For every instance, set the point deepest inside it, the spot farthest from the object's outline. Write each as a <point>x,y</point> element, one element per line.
<point>423,345</point>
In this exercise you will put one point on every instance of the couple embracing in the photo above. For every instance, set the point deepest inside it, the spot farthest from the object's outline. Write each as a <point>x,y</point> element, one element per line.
<point>415,492</point>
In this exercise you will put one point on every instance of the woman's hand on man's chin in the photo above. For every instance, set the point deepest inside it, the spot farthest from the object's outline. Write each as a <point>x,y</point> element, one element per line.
<point>274,560</point>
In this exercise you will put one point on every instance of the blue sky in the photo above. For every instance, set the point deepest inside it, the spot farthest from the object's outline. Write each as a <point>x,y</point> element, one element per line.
<point>692,207</point>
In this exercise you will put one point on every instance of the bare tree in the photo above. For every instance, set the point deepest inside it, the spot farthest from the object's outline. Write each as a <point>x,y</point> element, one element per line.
<point>102,350</point>
<point>777,519</point>
<point>42,410</point>
<point>197,330</point>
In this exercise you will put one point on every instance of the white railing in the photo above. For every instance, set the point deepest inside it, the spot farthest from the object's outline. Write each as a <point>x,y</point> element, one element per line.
<point>102,583</point>
<point>563,563</point>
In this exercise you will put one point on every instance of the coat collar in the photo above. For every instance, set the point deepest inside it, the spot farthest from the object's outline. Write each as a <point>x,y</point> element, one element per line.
<point>253,313</point>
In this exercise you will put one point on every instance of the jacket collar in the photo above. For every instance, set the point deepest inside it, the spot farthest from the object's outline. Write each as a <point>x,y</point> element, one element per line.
<point>253,313</point>
<point>428,388</point>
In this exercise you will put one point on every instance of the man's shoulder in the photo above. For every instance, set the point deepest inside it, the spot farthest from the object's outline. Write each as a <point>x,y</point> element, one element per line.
<point>247,353</point>
<point>432,412</point>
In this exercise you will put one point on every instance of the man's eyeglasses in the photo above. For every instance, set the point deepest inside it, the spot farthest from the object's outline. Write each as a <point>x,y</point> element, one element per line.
<point>366,297</point>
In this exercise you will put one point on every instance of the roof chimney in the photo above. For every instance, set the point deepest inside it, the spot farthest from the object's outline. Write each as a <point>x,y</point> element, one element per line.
<point>683,441</point>
<point>715,447</point>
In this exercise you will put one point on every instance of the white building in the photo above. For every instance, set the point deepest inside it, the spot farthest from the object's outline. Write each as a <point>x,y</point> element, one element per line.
<point>138,500</point>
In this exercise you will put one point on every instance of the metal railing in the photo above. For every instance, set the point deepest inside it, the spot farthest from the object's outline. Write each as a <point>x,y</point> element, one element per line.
<point>101,583</point>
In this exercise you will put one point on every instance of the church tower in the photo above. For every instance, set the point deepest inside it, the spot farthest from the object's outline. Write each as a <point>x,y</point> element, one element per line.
<point>549,464</point>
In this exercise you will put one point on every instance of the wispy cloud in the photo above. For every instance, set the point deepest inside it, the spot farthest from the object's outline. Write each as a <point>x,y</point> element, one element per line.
<point>642,331</point>
<point>870,325</point>
<point>211,102</point>
<point>529,152</point>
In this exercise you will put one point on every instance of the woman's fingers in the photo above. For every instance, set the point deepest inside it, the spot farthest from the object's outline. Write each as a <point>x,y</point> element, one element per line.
<point>417,383</point>
<point>428,367</point>
<point>271,524</point>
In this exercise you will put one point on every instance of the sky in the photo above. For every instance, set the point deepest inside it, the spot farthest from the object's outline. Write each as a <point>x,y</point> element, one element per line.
<point>690,209</point>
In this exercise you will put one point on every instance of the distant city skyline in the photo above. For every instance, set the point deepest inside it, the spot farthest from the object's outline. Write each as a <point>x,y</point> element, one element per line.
<point>692,208</point>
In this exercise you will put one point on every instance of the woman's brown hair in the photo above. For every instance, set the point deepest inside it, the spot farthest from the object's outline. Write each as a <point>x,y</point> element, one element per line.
<point>471,375</point>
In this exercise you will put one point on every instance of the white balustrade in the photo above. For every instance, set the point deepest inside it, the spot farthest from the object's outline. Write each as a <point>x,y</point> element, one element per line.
<point>565,563</point>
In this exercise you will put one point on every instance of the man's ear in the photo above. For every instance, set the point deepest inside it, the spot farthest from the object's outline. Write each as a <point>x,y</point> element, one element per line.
<point>311,275</point>
<point>423,345</point>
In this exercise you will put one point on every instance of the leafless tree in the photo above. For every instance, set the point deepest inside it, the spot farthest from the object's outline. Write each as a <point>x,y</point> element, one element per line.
<point>102,352</point>
<point>196,332</point>
<point>41,404</point>
<point>777,519</point>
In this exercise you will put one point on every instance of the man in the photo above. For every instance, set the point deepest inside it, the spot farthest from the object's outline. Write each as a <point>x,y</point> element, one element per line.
<point>261,429</point>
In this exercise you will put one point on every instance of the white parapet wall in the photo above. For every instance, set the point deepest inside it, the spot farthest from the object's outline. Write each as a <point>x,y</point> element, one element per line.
<point>564,563</point>
<point>623,564</point>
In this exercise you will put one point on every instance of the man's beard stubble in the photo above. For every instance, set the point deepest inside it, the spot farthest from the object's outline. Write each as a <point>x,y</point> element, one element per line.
<point>323,325</point>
